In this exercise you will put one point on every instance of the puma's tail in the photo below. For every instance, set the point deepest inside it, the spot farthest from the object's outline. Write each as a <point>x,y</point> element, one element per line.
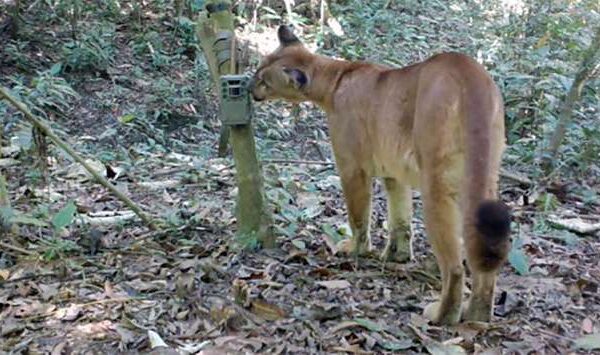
<point>493,228</point>
<point>487,220</point>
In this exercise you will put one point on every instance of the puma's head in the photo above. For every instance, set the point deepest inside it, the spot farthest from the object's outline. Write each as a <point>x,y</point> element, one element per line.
<point>284,73</point>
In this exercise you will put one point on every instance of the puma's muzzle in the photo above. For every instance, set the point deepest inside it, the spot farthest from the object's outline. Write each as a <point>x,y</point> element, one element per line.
<point>252,89</point>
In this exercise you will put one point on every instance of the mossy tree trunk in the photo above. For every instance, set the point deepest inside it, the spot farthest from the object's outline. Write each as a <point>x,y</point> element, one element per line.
<point>251,211</point>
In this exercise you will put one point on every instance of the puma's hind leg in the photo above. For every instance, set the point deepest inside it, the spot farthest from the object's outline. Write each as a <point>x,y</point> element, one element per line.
<point>357,186</point>
<point>399,244</point>
<point>443,226</point>
<point>480,304</point>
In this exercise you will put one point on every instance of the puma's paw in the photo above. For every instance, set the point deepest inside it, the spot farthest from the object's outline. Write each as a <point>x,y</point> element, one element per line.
<point>348,247</point>
<point>393,252</point>
<point>433,313</point>
<point>477,311</point>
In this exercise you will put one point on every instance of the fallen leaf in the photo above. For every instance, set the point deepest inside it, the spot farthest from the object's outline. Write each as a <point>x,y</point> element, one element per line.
<point>588,342</point>
<point>334,284</point>
<point>69,313</point>
<point>437,348</point>
<point>267,311</point>
<point>97,330</point>
<point>587,326</point>
<point>299,244</point>
<point>59,348</point>
<point>47,291</point>
<point>518,260</point>
<point>370,325</point>
<point>10,326</point>
<point>155,340</point>
<point>127,336</point>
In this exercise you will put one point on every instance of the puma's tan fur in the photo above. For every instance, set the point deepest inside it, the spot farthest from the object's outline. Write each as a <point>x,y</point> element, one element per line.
<point>437,125</point>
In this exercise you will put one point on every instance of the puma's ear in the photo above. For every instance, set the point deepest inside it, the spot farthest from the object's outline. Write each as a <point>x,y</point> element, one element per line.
<point>286,36</point>
<point>298,77</point>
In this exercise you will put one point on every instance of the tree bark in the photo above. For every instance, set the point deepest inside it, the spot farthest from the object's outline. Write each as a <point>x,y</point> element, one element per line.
<point>589,65</point>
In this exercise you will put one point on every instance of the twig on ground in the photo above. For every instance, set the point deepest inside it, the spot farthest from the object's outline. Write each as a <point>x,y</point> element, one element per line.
<point>523,180</point>
<point>18,249</point>
<point>294,161</point>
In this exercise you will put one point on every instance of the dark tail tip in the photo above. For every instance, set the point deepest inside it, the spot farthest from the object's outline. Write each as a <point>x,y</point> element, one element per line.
<point>493,222</point>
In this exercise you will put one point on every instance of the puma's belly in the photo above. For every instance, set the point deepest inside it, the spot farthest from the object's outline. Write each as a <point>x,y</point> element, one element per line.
<point>400,165</point>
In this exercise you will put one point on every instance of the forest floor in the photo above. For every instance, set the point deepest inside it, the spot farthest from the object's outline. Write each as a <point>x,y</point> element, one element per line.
<point>104,286</point>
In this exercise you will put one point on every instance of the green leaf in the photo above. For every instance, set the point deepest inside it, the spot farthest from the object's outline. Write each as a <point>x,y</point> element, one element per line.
<point>299,244</point>
<point>519,260</point>
<point>56,69</point>
<point>588,342</point>
<point>370,325</point>
<point>127,118</point>
<point>332,233</point>
<point>7,214</point>
<point>404,344</point>
<point>65,216</point>
<point>197,5</point>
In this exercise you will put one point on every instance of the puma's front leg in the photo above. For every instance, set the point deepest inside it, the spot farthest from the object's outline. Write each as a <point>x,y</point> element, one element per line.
<point>357,185</point>
<point>399,244</point>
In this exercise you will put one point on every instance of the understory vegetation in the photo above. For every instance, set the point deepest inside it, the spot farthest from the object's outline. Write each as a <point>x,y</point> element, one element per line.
<point>126,85</point>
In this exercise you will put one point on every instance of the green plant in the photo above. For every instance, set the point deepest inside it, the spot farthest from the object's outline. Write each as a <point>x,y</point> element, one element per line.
<point>94,51</point>
<point>15,52</point>
<point>56,246</point>
<point>45,92</point>
<point>517,257</point>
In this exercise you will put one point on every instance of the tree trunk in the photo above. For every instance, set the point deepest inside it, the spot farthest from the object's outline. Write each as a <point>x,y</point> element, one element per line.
<point>251,211</point>
<point>588,66</point>
<point>15,21</point>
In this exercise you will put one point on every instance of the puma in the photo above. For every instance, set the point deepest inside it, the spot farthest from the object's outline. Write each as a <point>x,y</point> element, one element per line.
<point>437,125</point>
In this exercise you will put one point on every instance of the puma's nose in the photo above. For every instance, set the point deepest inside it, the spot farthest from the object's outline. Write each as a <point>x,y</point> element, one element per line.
<point>251,86</point>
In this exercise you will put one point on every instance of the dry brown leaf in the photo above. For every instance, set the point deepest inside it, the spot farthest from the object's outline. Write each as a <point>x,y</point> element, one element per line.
<point>33,309</point>
<point>587,326</point>
<point>341,326</point>
<point>127,336</point>
<point>47,291</point>
<point>59,348</point>
<point>96,330</point>
<point>69,313</point>
<point>11,326</point>
<point>267,311</point>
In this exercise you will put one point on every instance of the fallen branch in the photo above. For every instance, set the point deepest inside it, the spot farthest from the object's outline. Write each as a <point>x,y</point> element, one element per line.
<point>576,225</point>
<point>523,180</point>
<point>293,161</point>
<point>42,126</point>
<point>18,249</point>
<point>108,220</point>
